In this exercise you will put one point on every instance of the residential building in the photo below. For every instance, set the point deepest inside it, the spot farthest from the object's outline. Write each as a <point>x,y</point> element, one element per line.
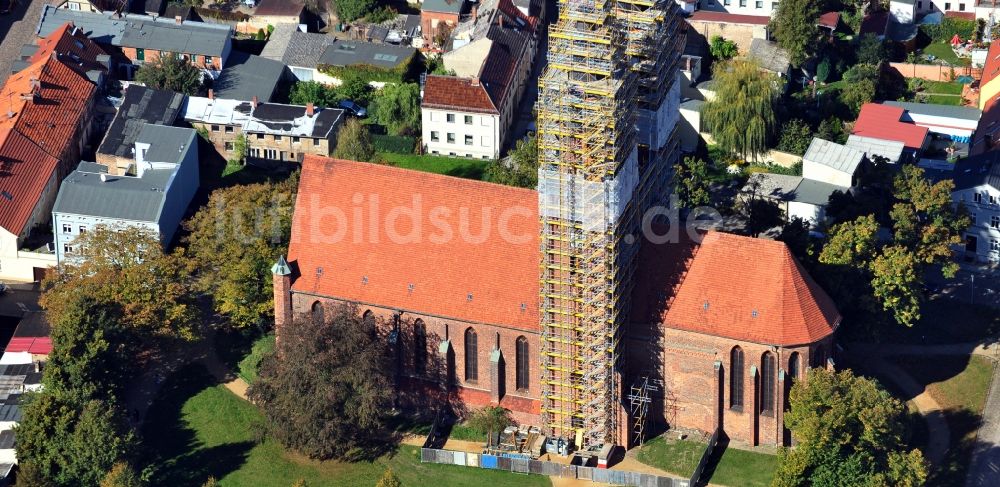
<point>471,114</point>
<point>96,6</point>
<point>744,319</point>
<point>141,38</point>
<point>273,132</point>
<point>438,18</point>
<point>76,50</point>
<point>247,76</point>
<point>21,368</point>
<point>752,8</point>
<point>885,122</point>
<point>308,55</point>
<point>977,187</point>
<point>891,150</point>
<point>956,123</point>
<point>904,11</point>
<point>832,163</point>
<point>275,12</point>
<point>770,57</point>
<point>140,106</point>
<point>153,194</point>
<point>739,28</point>
<point>989,84</point>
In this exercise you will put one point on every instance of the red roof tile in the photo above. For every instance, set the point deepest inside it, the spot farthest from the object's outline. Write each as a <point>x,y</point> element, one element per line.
<point>992,67</point>
<point>73,47</point>
<point>25,169</point>
<point>444,269</point>
<point>726,18</point>
<point>961,15</point>
<point>52,115</point>
<point>456,93</point>
<point>36,346</point>
<point>883,122</point>
<point>751,290</point>
<point>830,20</point>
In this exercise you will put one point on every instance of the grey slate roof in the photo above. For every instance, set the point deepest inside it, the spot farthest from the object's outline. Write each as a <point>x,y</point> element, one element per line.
<point>816,192</point>
<point>123,197</point>
<point>769,55</point>
<point>140,31</point>
<point>949,111</point>
<point>246,76</point>
<point>351,53</point>
<point>296,48</point>
<point>978,170</point>
<point>444,6</point>
<point>834,155</point>
<point>140,106</point>
<point>890,149</point>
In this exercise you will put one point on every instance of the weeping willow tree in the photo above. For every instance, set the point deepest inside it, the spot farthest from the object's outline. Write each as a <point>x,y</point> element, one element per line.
<point>741,116</point>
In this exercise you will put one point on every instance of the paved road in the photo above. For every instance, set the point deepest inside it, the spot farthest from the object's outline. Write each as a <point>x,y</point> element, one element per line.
<point>17,28</point>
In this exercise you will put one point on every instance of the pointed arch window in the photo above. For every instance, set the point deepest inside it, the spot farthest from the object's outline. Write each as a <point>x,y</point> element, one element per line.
<point>736,378</point>
<point>767,379</point>
<point>793,366</point>
<point>317,312</point>
<point>521,356</point>
<point>471,355</point>
<point>419,347</point>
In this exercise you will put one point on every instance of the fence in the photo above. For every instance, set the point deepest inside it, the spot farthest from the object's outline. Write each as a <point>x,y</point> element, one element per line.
<point>551,469</point>
<point>700,469</point>
<point>935,72</point>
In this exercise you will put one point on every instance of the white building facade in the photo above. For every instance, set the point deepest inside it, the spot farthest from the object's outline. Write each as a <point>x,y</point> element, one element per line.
<point>459,133</point>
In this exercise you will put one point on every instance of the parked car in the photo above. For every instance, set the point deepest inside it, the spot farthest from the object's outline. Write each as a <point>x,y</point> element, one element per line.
<point>354,108</point>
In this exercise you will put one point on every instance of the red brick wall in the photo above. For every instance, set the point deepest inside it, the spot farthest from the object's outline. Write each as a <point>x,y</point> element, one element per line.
<point>524,404</point>
<point>426,20</point>
<point>150,55</point>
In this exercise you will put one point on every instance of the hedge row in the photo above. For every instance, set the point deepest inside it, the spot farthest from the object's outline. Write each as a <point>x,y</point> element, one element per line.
<point>396,144</point>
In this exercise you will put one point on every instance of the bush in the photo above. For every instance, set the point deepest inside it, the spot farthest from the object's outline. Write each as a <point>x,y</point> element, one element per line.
<point>382,14</point>
<point>489,418</point>
<point>396,144</point>
<point>948,28</point>
<point>796,135</point>
<point>251,363</point>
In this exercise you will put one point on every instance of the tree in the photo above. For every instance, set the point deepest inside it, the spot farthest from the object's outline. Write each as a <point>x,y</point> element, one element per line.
<point>871,50</point>
<point>691,184</point>
<point>796,236</point>
<point>341,364</point>
<point>796,135</point>
<point>849,431</point>
<point>389,479</point>
<point>71,444</point>
<point>305,92</point>
<point>489,419</point>
<point>858,93</point>
<point>354,142</point>
<point>28,475</point>
<point>351,10</point>
<point>210,482</point>
<point>239,149</point>
<point>896,281</point>
<point>397,107</point>
<point>520,168</point>
<point>121,475</point>
<point>172,73</point>
<point>125,267</point>
<point>759,212</point>
<point>794,27</point>
<point>355,88</point>
<point>823,71</point>
<point>234,240</point>
<point>722,49</point>
<point>831,129</point>
<point>925,221</point>
<point>741,115</point>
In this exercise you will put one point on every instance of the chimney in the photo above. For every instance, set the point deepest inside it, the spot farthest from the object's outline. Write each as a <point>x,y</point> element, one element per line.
<point>310,109</point>
<point>211,94</point>
<point>38,366</point>
<point>254,101</point>
<point>475,81</point>
<point>179,20</point>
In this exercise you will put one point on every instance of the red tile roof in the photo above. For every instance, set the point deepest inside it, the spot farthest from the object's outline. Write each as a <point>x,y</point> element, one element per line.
<point>25,169</point>
<point>830,20</point>
<point>36,346</point>
<point>751,290</point>
<point>992,67</point>
<point>73,47</point>
<point>457,93</point>
<point>961,15</point>
<point>726,18</point>
<point>883,122</point>
<point>46,102</point>
<point>498,268</point>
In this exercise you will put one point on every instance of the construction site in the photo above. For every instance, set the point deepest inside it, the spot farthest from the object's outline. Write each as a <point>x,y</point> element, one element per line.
<point>607,107</point>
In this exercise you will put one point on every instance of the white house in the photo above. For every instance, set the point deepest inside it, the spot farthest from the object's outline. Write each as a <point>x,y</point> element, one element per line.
<point>154,194</point>
<point>977,186</point>
<point>27,192</point>
<point>958,123</point>
<point>757,8</point>
<point>832,163</point>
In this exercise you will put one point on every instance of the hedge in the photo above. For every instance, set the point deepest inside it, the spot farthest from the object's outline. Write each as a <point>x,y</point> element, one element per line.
<point>949,26</point>
<point>398,74</point>
<point>396,144</point>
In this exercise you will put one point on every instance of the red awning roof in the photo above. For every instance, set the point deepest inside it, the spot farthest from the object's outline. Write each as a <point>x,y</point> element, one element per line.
<point>883,122</point>
<point>36,345</point>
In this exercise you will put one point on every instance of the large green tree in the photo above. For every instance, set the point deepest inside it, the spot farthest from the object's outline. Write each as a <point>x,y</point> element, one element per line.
<point>691,184</point>
<point>397,107</point>
<point>327,388</point>
<point>794,27</point>
<point>71,444</point>
<point>520,168</point>
<point>170,72</point>
<point>351,10</point>
<point>232,243</point>
<point>319,94</point>
<point>849,432</point>
<point>722,49</point>
<point>796,135</point>
<point>354,142</point>
<point>741,115</point>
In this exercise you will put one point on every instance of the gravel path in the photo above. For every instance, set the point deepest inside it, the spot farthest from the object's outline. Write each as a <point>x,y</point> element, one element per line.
<point>17,28</point>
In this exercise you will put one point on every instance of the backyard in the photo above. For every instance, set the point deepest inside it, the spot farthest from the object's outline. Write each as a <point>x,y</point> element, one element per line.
<point>937,92</point>
<point>727,466</point>
<point>202,429</point>
<point>449,166</point>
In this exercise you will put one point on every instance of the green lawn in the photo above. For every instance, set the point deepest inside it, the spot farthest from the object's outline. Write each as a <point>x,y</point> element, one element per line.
<point>941,93</point>
<point>959,384</point>
<point>942,50</point>
<point>197,429</point>
<point>729,467</point>
<point>450,166</point>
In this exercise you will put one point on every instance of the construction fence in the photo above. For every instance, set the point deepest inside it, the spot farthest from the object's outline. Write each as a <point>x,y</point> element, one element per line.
<point>551,469</point>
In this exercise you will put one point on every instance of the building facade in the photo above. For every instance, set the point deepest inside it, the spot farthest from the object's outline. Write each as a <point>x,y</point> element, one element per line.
<point>977,188</point>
